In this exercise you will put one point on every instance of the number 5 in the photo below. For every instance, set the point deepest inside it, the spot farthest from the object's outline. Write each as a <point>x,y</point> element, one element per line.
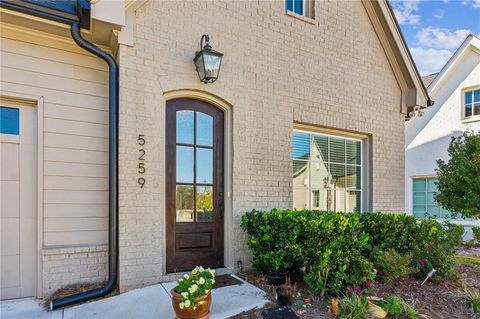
<point>141,168</point>
<point>141,139</point>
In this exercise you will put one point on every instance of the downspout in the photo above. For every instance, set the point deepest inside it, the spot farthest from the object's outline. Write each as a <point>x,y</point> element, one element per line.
<point>112,177</point>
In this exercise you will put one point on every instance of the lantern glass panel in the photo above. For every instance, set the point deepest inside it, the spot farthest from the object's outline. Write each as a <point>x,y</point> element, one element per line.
<point>212,65</point>
<point>200,67</point>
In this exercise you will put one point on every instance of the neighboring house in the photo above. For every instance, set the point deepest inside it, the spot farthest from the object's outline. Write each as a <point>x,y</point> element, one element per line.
<point>331,80</point>
<point>456,92</point>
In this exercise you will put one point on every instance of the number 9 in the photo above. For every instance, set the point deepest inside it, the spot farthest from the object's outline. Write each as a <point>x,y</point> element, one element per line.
<point>141,181</point>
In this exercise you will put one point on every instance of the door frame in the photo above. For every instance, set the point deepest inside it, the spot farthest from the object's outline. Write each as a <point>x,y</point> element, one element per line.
<point>227,109</point>
<point>35,101</point>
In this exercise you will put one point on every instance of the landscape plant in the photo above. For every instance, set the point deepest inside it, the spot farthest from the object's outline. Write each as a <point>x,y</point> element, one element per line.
<point>472,299</point>
<point>459,178</point>
<point>476,234</point>
<point>194,286</point>
<point>396,307</point>
<point>330,250</point>
<point>353,306</point>
<point>392,265</point>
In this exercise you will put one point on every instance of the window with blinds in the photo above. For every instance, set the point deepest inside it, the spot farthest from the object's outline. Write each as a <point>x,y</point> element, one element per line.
<point>424,203</point>
<point>327,172</point>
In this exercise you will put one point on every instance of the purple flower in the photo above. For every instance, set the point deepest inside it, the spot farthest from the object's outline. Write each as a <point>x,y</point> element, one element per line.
<point>421,261</point>
<point>350,288</point>
<point>358,289</point>
<point>429,248</point>
<point>368,283</point>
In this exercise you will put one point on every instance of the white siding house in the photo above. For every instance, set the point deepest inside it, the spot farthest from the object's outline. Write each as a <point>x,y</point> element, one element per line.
<point>456,92</point>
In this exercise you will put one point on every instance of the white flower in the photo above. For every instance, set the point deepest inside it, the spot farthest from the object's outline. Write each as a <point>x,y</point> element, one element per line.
<point>206,291</point>
<point>212,281</point>
<point>211,271</point>
<point>193,288</point>
<point>182,305</point>
<point>201,281</point>
<point>200,269</point>
<point>187,303</point>
<point>186,276</point>
<point>180,280</point>
<point>194,272</point>
<point>184,294</point>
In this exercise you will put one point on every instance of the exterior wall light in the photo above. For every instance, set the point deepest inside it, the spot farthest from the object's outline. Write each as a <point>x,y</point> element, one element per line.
<point>207,61</point>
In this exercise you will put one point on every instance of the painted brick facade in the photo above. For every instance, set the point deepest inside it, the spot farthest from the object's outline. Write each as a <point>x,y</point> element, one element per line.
<point>277,70</point>
<point>73,265</point>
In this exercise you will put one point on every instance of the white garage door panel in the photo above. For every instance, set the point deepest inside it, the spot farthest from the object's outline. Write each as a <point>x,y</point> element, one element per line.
<point>10,170</point>
<point>18,222</point>
<point>10,239</point>
<point>10,190</point>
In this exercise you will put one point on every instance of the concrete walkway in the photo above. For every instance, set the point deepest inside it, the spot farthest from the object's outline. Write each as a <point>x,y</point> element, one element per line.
<point>149,302</point>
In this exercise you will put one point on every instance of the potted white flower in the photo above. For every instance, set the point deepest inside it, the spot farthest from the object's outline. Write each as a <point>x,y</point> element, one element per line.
<point>191,298</point>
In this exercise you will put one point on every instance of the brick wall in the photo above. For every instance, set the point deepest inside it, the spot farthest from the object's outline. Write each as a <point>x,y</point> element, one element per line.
<point>73,265</point>
<point>276,70</point>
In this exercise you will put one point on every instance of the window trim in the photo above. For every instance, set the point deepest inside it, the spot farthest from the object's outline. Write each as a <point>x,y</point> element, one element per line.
<point>347,136</point>
<point>303,16</point>
<point>472,118</point>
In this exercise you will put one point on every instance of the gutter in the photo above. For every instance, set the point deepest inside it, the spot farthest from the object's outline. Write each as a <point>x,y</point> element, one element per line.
<point>112,177</point>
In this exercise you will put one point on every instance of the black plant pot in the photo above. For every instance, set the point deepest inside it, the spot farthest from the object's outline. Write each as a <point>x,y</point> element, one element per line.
<point>282,298</point>
<point>276,278</point>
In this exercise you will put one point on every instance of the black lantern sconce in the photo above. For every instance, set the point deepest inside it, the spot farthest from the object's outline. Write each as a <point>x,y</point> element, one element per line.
<point>207,61</point>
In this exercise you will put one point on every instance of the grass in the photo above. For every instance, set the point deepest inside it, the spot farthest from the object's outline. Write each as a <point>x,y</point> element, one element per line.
<point>472,299</point>
<point>353,306</point>
<point>467,260</point>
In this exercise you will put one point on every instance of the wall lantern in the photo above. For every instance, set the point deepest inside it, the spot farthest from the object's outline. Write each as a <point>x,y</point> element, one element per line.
<point>207,61</point>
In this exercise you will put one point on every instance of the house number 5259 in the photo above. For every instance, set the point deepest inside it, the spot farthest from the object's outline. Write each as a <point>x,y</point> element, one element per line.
<point>141,160</point>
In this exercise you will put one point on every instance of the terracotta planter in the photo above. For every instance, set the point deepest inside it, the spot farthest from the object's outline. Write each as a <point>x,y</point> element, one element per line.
<point>202,311</point>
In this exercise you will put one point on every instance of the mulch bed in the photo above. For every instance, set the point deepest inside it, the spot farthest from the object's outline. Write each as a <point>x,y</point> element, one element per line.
<point>434,301</point>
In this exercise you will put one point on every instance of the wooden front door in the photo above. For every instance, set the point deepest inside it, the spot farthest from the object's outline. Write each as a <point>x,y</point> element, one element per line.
<point>194,185</point>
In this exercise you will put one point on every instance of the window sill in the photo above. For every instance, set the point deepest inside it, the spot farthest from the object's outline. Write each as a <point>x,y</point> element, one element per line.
<point>475,118</point>
<point>300,17</point>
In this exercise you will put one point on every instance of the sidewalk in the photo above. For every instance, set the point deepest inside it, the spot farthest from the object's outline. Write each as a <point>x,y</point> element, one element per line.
<point>149,302</point>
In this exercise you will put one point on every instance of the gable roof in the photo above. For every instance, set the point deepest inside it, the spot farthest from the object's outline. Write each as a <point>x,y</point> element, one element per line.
<point>470,42</point>
<point>388,31</point>
<point>427,79</point>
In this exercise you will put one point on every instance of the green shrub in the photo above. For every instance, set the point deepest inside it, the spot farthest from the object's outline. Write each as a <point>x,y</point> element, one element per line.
<point>392,265</point>
<point>275,239</point>
<point>435,247</point>
<point>328,246</point>
<point>353,306</point>
<point>338,249</point>
<point>390,231</point>
<point>396,307</point>
<point>476,233</point>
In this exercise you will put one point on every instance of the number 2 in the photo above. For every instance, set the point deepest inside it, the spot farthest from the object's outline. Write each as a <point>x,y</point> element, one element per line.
<point>141,157</point>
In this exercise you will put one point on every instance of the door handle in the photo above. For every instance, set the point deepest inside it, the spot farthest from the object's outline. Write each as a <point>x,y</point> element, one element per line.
<point>220,203</point>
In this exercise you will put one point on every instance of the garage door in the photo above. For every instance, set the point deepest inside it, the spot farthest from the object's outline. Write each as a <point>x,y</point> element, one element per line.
<point>18,201</point>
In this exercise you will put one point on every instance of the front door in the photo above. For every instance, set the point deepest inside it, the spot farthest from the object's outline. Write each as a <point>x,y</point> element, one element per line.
<point>194,185</point>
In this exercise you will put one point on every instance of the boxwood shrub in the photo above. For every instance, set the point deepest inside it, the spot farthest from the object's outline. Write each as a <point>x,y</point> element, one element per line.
<point>332,250</point>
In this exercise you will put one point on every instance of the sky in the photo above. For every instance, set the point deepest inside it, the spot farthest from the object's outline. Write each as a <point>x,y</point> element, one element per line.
<point>434,29</point>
